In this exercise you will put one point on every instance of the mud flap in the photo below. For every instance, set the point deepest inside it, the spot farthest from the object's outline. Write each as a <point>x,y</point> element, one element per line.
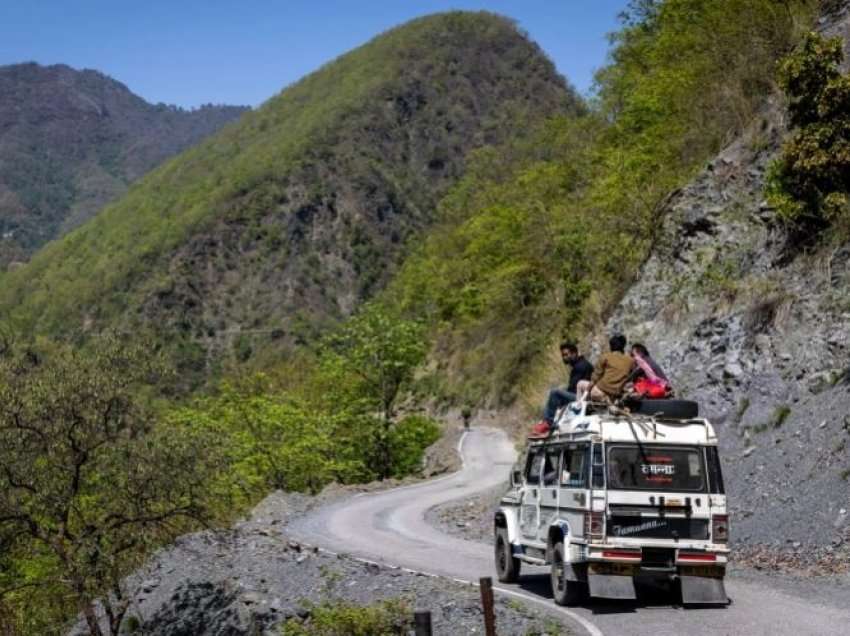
<point>703,590</point>
<point>612,586</point>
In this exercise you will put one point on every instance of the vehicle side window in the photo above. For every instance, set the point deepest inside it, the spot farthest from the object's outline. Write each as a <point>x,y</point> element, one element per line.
<point>535,467</point>
<point>598,467</point>
<point>576,466</point>
<point>550,468</point>
<point>715,476</point>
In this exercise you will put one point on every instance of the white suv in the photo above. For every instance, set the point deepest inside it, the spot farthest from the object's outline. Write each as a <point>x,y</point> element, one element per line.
<point>612,496</point>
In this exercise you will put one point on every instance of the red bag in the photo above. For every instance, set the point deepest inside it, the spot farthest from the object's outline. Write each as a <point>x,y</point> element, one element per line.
<point>648,388</point>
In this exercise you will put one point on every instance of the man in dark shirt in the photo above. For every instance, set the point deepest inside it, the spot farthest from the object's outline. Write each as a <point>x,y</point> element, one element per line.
<point>580,369</point>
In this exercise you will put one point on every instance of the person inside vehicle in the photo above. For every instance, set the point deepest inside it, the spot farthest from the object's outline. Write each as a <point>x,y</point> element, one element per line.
<point>550,470</point>
<point>649,379</point>
<point>580,369</point>
<point>613,370</point>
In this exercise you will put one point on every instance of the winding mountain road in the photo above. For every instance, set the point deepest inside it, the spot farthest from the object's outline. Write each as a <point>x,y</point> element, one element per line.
<point>389,527</point>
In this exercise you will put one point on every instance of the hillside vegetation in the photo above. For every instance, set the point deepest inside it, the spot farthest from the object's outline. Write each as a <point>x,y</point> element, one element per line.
<point>72,141</point>
<point>539,239</point>
<point>415,222</point>
<point>249,243</point>
<point>301,210</point>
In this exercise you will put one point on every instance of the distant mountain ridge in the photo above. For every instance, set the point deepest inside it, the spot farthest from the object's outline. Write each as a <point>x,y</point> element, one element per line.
<point>72,141</point>
<point>304,208</point>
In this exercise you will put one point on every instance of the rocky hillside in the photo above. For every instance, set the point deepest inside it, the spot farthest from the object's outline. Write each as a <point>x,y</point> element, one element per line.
<point>758,330</point>
<point>303,208</point>
<point>71,141</point>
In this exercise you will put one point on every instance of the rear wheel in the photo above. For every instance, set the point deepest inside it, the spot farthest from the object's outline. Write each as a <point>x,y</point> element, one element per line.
<point>507,565</point>
<point>564,591</point>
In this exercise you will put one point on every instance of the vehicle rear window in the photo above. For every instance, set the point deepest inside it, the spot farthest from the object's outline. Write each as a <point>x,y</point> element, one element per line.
<point>656,468</point>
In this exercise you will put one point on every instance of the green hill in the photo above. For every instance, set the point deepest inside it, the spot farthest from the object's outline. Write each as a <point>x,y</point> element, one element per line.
<point>303,209</point>
<point>540,239</point>
<point>71,141</point>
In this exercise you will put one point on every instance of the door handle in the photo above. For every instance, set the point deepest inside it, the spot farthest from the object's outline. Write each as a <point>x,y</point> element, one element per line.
<point>554,494</point>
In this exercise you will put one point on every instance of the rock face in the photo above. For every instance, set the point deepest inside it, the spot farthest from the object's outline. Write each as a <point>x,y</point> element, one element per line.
<point>758,331</point>
<point>71,141</point>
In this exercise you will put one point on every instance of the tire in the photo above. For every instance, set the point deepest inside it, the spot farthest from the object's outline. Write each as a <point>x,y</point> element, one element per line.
<point>675,409</point>
<point>565,592</point>
<point>507,565</point>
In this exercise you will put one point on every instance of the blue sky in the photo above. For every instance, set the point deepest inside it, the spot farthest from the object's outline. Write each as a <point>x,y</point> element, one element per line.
<point>190,52</point>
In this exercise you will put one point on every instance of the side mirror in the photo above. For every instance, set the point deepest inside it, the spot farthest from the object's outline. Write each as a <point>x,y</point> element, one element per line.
<point>516,478</point>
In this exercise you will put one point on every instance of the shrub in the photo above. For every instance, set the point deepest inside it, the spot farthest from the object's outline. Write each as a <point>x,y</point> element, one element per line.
<point>389,618</point>
<point>408,441</point>
<point>810,182</point>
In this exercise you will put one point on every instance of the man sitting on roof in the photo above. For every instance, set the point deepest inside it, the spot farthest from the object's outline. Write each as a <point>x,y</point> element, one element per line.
<point>613,370</point>
<point>606,382</point>
<point>580,369</point>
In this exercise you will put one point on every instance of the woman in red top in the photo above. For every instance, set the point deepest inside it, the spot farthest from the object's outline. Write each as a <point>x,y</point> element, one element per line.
<point>649,380</point>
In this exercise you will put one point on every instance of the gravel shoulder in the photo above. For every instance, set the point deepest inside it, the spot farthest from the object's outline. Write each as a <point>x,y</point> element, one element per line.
<point>252,577</point>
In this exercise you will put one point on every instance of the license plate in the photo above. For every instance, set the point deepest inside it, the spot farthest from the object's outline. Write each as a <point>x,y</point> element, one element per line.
<point>620,569</point>
<point>701,570</point>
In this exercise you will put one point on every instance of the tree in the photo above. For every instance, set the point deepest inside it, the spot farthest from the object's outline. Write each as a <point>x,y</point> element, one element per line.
<point>88,482</point>
<point>273,439</point>
<point>383,351</point>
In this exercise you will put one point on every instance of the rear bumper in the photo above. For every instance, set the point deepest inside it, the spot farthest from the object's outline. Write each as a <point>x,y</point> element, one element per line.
<point>656,562</point>
<point>613,568</point>
<point>683,554</point>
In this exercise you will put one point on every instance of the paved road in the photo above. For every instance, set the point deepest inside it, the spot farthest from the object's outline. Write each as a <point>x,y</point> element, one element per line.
<point>389,527</point>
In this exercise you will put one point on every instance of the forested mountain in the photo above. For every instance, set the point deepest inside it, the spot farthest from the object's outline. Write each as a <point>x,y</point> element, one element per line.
<point>71,141</point>
<point>427,216</point>
<point>302,209</point>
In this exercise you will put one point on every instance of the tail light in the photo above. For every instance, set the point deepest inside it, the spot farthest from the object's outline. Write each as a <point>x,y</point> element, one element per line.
<point>697,556</point>
<point>594,526</point>
<point>720,528</point>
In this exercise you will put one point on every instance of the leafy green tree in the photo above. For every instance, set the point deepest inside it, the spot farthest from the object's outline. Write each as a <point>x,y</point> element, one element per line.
<point>276,440</point>
<point>88,483</point>
<point>382,351</point>
<point>810,182</point>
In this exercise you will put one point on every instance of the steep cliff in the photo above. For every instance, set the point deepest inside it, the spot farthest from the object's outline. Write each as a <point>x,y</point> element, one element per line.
<point>758,330</point>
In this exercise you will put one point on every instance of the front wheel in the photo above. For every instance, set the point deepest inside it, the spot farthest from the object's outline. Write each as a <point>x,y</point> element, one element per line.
<point>564,591</point>
<point>507,565</point>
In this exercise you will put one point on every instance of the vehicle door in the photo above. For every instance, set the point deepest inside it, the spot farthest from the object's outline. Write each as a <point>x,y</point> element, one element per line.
<point>529,511</point>
<point>574,481</point>
<point>549,491</point>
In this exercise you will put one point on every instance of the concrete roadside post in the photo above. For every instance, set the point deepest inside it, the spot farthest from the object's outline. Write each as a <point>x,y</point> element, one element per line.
<point>422,623</point>
<point>486,584</point>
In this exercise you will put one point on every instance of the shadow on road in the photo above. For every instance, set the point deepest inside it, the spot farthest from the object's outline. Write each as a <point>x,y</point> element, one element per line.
<point>649,596</point>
